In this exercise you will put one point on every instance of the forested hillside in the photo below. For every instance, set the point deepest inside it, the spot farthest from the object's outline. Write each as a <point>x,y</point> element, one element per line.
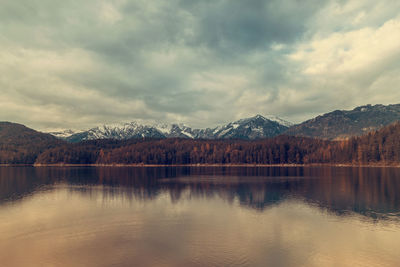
<point>380,147</point>
<point>21,145</point>
<point>343,124</point>
<point>283,149</point>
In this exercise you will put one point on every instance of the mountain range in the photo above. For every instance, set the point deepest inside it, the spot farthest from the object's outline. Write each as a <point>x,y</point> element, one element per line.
<point>131,143</point>
<point>335,125</point>
<point>248,129</point>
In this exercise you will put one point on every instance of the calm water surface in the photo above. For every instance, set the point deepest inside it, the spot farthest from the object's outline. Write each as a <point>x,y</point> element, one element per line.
<point>199,216</point>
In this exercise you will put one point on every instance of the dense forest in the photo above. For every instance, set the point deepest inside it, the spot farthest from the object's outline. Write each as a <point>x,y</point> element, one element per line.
<point>22,145</point>
<point>283,149</point>
<point>379,147</point>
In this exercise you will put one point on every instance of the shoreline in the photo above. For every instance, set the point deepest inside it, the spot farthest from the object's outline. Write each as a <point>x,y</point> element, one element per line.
<point>204,165</point>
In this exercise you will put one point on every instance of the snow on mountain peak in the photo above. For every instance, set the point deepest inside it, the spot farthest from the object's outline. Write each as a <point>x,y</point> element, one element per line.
<point>249,128</point>
<point>279,120</point>
<point>63,133</point>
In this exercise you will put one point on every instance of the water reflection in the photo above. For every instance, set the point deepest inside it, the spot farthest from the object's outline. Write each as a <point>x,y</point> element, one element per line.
<point>199,217</point>
<point>371,192</point>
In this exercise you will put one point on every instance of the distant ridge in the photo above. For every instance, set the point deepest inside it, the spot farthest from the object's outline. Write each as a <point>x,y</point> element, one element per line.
<point>335,125</point>
<point>255,127</point>
<point>21,145</point>
<point>342,124</point>
<point>15,133</point>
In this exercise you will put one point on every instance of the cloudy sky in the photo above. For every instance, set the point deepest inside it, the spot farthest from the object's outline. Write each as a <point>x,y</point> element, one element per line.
<point>76,64</point>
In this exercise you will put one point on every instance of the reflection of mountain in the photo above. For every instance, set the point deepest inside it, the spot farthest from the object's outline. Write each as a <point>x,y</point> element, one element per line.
<point>372,192</point>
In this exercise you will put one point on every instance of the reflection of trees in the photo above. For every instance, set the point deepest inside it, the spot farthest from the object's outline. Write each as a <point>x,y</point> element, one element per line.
<point>17,182</point>
<point>369,191</point>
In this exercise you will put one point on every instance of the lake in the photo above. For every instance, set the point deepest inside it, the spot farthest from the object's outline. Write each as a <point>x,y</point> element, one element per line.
<point>199,216</point>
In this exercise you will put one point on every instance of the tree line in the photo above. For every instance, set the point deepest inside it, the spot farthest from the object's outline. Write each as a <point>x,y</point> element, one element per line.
<point>379,147</point>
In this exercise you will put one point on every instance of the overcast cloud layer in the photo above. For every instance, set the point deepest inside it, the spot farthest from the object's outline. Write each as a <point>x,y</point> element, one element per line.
<point>77,64</point>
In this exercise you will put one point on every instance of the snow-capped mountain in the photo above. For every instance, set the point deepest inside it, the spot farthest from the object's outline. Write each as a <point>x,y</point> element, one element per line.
<point>175,130</point>
<point>64,133</point>
<point>250,128</point>
<point>117,131</point>
<point>279,120</point>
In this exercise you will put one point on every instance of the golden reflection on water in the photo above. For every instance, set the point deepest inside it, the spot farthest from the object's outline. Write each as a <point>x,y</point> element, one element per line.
<point>79,225</point>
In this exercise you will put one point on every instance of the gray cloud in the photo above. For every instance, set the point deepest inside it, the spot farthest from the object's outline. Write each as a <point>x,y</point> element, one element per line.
<point>239,26</point>
<point>78,64</point>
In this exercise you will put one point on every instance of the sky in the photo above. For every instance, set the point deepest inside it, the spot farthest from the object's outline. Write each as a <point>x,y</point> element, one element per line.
<point>77,64</point>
